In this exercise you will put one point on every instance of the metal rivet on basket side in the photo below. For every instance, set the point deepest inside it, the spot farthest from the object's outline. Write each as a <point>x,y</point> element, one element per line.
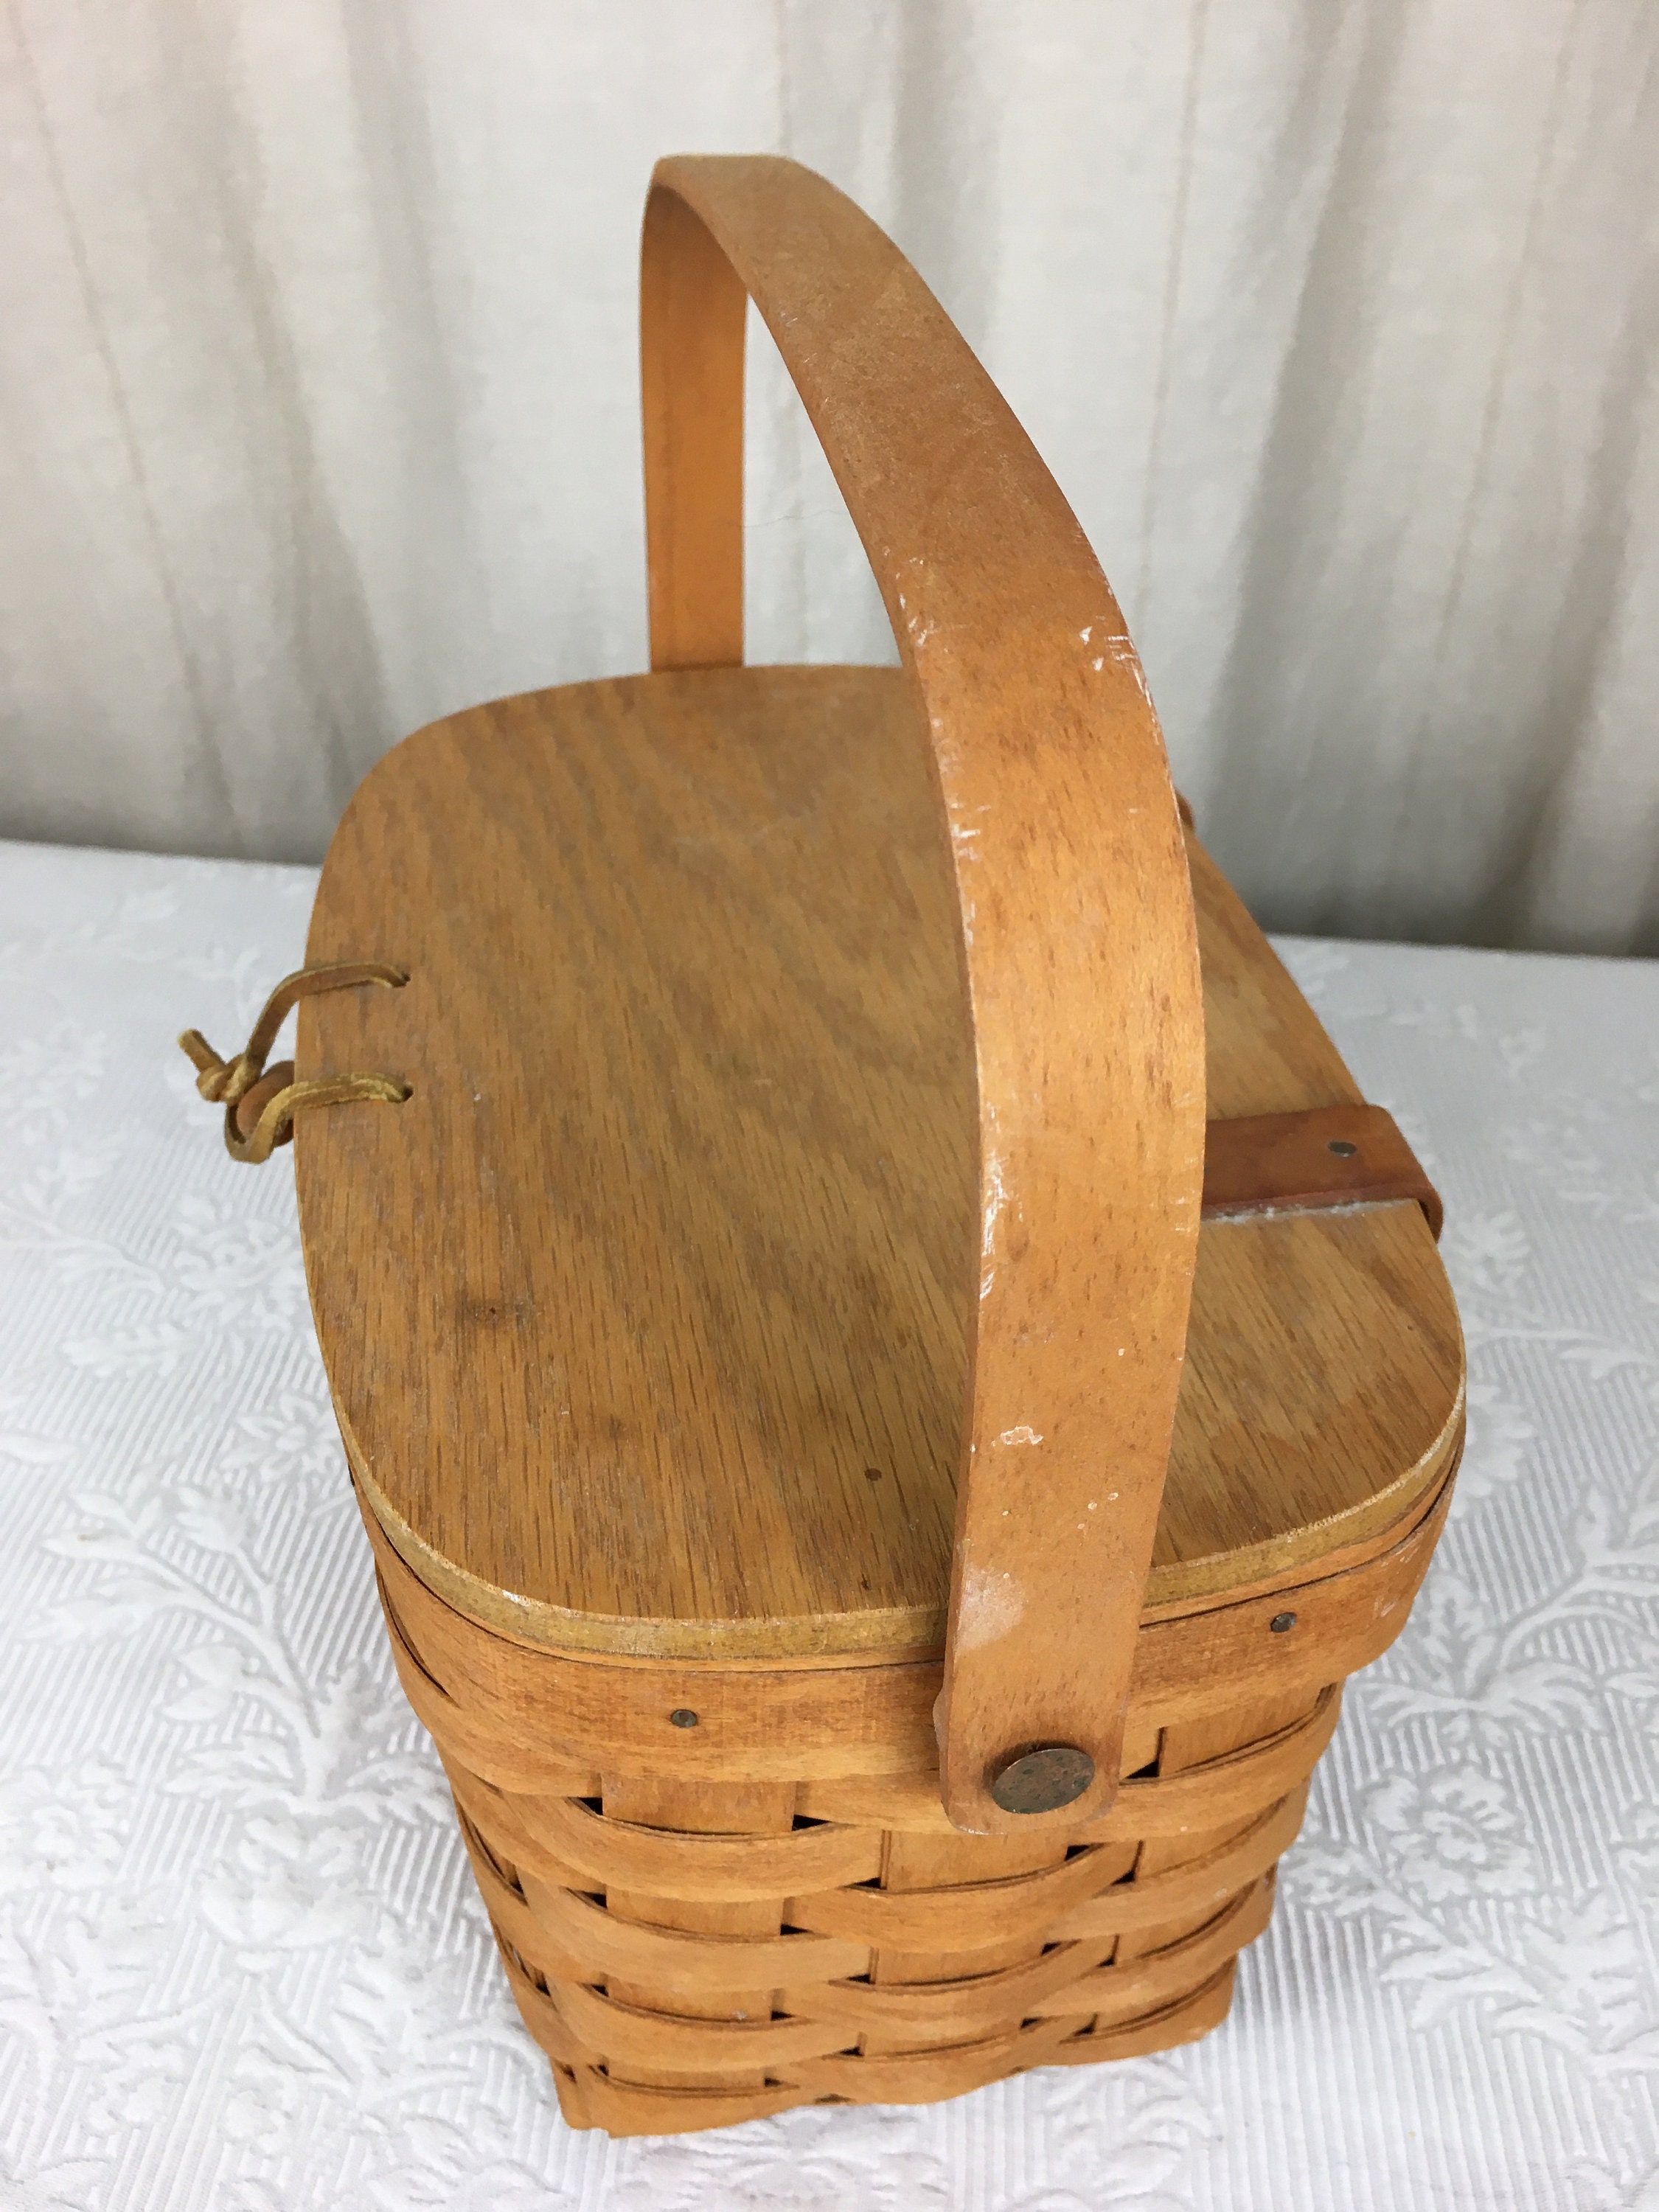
<point>1042,1780</point>
<point>683,1717</point>
<point>1342,1148</point>
<point>1281,1621</point>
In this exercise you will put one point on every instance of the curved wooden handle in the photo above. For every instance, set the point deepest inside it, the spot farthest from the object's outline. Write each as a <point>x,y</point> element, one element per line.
<point>1078,945</point>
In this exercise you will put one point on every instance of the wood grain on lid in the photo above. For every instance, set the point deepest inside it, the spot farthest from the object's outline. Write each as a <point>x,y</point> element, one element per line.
<point>645,1315</point>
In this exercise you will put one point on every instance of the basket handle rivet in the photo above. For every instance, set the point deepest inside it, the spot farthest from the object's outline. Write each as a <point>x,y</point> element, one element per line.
<point>1281,1621</point>
<point>1044,1779</point>
<point>683,1717</point>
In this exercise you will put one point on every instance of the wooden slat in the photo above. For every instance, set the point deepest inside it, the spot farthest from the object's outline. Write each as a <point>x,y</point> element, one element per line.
<point>700,1808</point>
<point>1073,922</point>
<point>523,1717</point>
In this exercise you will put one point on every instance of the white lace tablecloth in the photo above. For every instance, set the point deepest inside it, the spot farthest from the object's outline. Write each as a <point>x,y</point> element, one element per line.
<point>242,1963</point>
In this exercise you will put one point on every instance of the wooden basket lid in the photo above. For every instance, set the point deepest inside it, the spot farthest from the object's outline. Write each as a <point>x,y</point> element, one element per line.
<point>663,1254</point>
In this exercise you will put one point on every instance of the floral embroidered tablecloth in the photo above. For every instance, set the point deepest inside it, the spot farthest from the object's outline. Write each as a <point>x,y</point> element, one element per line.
<point>242,1964</point>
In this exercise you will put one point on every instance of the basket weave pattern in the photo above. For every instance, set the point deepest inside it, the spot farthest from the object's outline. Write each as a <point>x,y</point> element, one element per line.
<point>693,1953</point>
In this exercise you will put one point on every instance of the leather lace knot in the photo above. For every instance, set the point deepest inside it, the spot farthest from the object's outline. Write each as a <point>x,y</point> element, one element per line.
<point>260,1102</point>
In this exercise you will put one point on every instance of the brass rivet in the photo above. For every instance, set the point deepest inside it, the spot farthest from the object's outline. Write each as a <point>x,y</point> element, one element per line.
<point>1342,1148</point>
<point>1281,1621</point>
<point>1044,1779</point>
<point>683,1717</point>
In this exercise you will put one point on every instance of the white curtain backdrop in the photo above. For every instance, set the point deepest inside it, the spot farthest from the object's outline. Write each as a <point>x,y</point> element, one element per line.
<point>1336,320</point>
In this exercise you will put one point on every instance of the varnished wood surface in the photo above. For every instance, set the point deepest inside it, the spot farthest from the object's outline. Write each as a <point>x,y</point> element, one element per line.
<point>1072,918</point>
<point>667,1248</point>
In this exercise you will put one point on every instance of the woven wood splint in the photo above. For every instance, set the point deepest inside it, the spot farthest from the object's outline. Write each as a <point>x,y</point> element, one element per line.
<point>889,1369</point>
<point>692,1953</point>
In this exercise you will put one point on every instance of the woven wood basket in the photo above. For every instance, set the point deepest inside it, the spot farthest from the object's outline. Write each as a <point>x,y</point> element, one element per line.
<point>889,1371</point>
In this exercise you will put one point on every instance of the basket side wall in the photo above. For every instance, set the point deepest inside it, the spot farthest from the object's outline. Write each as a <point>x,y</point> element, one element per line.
<point>694,1950</point>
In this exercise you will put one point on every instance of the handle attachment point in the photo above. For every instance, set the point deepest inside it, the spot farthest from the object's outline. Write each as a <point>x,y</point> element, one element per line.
<point>1044,1779</point>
